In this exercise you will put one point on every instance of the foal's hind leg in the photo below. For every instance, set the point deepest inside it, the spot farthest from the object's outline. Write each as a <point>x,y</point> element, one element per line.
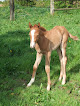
<point>64,58</point>
<point>61,63</point>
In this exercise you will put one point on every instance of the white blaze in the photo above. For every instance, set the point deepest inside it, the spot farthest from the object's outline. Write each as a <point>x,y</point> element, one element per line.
<point>32,44</point>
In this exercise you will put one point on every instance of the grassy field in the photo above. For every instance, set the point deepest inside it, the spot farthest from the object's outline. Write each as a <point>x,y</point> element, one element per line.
<point>17,59</point>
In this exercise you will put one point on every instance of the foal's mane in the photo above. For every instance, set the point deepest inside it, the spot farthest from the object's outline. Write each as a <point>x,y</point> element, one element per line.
<point>40,27</point>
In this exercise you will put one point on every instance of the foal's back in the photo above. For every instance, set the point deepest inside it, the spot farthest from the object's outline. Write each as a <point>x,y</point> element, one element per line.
<point>55,36</point>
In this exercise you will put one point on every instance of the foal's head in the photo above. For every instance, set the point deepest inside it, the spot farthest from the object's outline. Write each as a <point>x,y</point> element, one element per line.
<point>35,31</point>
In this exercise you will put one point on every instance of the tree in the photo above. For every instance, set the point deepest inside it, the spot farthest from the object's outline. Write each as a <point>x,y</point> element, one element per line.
<point>11,9</point>
<point>51,7</point>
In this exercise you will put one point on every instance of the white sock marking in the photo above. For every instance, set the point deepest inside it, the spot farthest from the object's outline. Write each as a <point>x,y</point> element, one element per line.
<point>31,81</point>
<point>60,78</point>
<point>63,82</point>
<point>48,87</point>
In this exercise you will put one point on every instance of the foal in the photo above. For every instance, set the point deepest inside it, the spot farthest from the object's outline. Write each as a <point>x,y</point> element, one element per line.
<point>46,41</point>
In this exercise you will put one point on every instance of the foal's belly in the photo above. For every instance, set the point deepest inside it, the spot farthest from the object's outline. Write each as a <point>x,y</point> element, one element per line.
<point>55,44</point>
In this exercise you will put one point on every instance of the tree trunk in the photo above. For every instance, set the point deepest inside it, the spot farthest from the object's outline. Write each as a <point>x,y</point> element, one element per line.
<point>11,9</point>
<point>51,7</point>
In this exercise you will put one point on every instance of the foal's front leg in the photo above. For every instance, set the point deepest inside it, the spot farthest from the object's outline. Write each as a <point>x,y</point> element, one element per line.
<point>36,64</point>
<point>47,69</point>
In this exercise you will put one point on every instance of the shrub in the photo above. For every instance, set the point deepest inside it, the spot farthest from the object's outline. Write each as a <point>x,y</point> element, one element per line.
<point>26,2</point>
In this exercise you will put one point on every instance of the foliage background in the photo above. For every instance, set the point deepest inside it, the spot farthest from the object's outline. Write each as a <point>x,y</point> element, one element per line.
<point>46,3</point>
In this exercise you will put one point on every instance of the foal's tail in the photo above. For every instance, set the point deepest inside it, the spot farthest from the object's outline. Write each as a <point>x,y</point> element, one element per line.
<point>73,37</point>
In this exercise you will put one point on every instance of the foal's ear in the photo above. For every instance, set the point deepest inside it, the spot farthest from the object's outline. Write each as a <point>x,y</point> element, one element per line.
<point>30,26</point>
<point>38,24</point>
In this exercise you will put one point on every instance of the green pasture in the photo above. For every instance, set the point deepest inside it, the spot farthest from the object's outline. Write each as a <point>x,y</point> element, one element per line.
<point>17,59</point>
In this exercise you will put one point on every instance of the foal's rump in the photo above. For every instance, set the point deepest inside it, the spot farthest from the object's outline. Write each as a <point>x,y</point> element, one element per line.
<point>59,35</point>
<point>64,32</point>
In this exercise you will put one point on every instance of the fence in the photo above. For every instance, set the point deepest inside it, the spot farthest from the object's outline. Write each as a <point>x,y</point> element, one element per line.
<point>58,4</point>
<point>67,4</point>
<point>52,4</point>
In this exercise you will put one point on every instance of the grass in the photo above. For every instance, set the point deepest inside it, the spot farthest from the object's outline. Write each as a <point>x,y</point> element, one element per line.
<point>17,59</point>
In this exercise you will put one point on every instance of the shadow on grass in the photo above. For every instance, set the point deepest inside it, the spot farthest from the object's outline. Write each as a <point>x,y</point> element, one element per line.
<point>14,52</point>
<point>73,70</point>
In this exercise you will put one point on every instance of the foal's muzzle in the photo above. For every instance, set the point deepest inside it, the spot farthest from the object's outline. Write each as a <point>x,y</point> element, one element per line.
<point>32,44</point>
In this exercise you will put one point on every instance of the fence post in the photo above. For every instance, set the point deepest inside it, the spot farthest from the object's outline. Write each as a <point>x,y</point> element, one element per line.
<point>11,9</point>
<point>51,7</point>
<point>77,3</point>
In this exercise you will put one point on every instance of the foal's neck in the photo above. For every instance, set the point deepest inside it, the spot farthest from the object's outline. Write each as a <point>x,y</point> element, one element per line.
<point>43,42</point>
<point>42,38</point>
<point>42,35</point>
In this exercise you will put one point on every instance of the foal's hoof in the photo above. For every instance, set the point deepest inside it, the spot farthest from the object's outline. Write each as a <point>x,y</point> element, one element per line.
<point>48,88</point>
<point>28,85</point>
<point>60,78</point>
<point>63,82</point>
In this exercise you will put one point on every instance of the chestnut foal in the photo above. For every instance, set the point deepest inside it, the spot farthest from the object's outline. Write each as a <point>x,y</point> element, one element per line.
<point>46,41</point>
